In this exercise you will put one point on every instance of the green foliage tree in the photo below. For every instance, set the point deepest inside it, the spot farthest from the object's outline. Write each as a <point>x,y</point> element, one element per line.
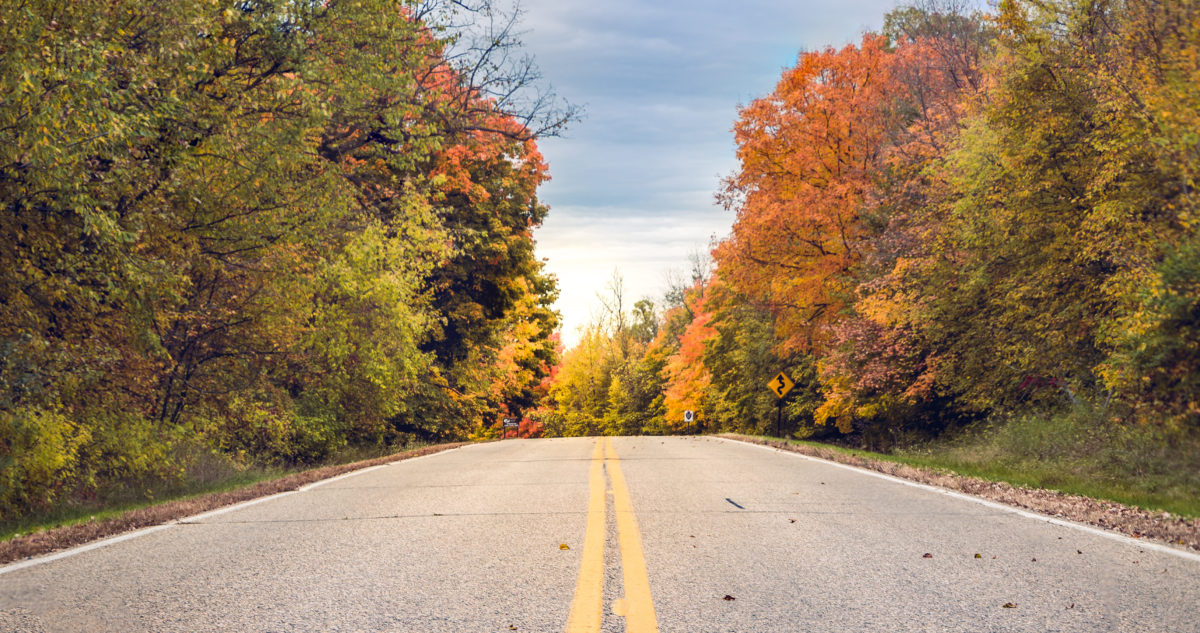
<point>254,226</point>
<point>742,359</point>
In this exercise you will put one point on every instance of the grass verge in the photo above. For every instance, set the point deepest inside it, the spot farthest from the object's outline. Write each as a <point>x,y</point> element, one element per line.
<point>55,533</point>
<point>69,514</point>
<point>1019,489</point>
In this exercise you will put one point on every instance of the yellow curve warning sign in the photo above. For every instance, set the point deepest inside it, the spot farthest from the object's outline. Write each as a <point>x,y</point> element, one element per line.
<point>781,385</point>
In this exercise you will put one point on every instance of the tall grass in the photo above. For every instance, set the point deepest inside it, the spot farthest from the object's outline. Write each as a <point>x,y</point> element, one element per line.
<point>1078,451</point>
<point>202,471</point>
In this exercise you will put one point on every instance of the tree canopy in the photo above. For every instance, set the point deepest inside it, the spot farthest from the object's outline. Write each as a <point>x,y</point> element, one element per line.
<point>265,228</point>
<point>963,216</point>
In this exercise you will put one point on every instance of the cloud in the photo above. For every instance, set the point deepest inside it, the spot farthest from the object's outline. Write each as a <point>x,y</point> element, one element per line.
<point>633,183</point>
<point>585,246</point>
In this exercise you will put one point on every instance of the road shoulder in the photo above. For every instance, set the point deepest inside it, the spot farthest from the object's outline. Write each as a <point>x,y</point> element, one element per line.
<point>1134,522</point>
<point>56,539</point>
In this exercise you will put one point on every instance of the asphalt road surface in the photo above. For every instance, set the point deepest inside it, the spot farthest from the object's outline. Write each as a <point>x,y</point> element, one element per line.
<point>627,534</point>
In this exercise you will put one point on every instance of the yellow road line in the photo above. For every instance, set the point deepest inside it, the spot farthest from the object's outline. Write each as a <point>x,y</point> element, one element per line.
<point>638,606</point>
<point>587,608</point>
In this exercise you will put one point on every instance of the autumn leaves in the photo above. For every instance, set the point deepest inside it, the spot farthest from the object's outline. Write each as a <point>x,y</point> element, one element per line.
<point>960,217</point>
<point>258,232</point>
<point>809,154</point>
<point>945,213</point>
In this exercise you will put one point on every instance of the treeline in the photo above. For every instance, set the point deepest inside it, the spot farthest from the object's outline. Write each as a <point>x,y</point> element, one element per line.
<point>264,228</point>
<point>962,217</point>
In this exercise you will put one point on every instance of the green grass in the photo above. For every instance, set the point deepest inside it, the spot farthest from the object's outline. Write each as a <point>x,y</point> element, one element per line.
<point>1077,452</point>
<point>109,506</point>
<point>206,474</point>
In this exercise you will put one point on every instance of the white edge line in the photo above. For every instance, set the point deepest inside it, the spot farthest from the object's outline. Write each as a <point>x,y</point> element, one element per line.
<point>236,506</point>
<point>1116,536</point>
<point>353,473</point>
<point>11,567</point>
<point>113,540</point>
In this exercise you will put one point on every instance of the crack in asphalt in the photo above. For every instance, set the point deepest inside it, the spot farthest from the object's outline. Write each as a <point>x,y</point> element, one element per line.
<point>438,515</point>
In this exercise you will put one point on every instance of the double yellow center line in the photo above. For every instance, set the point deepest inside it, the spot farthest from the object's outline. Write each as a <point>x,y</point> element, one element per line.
<point>587,609</point>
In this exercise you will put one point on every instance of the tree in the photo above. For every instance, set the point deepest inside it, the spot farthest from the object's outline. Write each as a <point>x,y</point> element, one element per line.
<point>242,226</point>
<point>809,156</point>
<point>742,358</point>
<point>688,380</point>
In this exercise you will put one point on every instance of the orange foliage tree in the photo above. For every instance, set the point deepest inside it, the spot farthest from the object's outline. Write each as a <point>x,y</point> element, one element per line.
<point>810,153</point>
<point>687,378</point>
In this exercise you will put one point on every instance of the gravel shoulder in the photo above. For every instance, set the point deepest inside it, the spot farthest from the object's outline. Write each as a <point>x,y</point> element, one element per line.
<point>52,540</point>
<point>1130,521</point>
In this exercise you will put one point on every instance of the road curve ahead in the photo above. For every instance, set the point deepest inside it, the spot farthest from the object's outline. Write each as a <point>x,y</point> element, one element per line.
<point>626,534</point>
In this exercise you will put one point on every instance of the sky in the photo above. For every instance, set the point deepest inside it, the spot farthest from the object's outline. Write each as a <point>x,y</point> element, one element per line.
<point>660,81</point>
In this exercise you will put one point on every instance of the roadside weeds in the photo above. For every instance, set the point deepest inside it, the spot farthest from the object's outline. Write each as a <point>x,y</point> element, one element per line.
<point>52,540</point>
<point>1110,515</point>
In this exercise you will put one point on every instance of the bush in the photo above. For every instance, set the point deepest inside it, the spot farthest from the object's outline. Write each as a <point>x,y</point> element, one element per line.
<point>39,458</point>
<point>273,431</point>
<point>127,450</point>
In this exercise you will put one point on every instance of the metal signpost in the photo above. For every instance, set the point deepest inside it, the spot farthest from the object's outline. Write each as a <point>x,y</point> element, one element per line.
<point>510,423</point>
<point>780,385</point>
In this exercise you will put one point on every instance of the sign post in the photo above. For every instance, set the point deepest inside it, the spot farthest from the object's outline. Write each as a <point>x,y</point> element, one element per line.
<point>510,423</point>
<point>780,385</point>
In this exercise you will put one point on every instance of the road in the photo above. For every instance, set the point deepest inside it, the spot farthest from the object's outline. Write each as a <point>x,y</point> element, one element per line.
<point>637,534</point>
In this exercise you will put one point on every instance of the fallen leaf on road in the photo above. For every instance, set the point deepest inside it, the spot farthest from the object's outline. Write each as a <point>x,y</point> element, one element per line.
<point>792,520</point>
<point>1033,561</point>
<point>563,546</point>
<point>927,555</point>
<point>1078,552</point>
<point>979,556</point>
<point>729,597</point>
<point>1072,606</point>
<point>1009,605</point>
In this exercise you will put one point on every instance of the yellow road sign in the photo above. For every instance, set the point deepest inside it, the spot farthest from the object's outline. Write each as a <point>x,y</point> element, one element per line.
<point>781,385</point>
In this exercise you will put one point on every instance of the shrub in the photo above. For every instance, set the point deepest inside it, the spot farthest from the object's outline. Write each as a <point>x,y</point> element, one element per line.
<point>39,458</point>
